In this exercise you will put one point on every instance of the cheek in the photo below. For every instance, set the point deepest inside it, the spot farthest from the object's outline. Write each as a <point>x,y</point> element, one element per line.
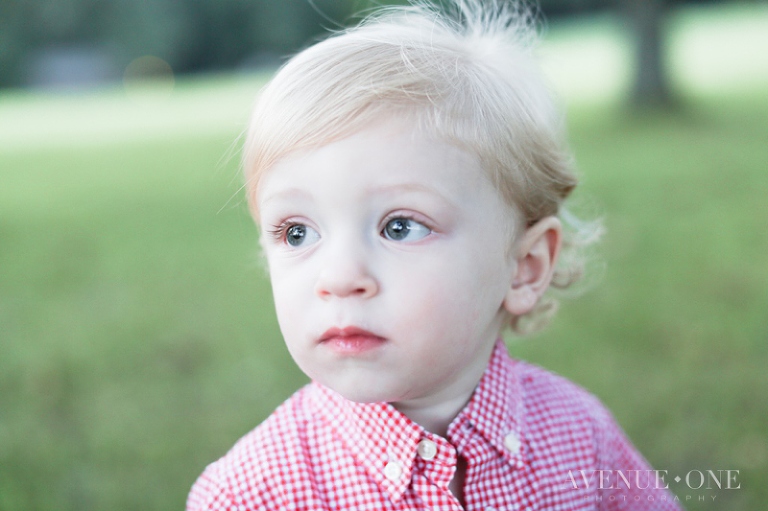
<point>440,292</point>
<point>287,293</point>
<point>457,289</point>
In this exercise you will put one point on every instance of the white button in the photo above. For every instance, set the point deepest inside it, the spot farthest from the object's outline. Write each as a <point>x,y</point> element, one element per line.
<point>427,449</point>
<point>512,443</point>
<point>392,471</point>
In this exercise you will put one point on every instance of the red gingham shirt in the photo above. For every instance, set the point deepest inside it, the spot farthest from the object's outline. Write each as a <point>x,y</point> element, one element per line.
<point>531,440</point>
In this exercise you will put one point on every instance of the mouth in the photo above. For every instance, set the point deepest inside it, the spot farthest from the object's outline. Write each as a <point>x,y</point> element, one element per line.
<point>350,340</point>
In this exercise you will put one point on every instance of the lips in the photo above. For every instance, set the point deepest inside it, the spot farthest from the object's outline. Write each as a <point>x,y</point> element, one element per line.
<point>350,340</point>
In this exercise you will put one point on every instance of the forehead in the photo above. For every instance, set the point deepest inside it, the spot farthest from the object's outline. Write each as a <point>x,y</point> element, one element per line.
<point>389,154</point>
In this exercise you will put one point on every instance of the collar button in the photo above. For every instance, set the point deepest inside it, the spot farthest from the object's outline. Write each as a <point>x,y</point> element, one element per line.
<point>427,449</point>
<point>393,471</point>
<point>512,443</point>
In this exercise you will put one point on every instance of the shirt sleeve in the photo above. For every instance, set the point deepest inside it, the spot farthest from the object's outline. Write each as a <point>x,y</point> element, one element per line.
<point>207,494</point>
<point>629,482</point>
<point>213,492</point>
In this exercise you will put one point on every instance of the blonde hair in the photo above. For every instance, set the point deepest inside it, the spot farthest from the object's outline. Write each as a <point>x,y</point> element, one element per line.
<point>465,74</point>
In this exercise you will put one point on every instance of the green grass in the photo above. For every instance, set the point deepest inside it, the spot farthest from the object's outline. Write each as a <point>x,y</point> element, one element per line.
<point>138,341</point>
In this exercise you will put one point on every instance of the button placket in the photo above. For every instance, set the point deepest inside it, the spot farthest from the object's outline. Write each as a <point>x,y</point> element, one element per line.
<point>435,460</point>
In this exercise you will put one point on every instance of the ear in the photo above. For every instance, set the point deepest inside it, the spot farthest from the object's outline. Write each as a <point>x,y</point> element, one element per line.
<point>536,254</point>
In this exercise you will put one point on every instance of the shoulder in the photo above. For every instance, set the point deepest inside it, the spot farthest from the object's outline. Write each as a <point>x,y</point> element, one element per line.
<point>549,395</point>
<point>566,417</point>
<point>263,468</point>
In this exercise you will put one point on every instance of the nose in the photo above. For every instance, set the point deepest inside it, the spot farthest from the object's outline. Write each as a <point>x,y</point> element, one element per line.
<point>346,276</point>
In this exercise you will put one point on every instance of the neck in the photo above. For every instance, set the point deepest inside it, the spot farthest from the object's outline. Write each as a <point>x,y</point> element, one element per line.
<point>434,417</point>
<point>435,413</point>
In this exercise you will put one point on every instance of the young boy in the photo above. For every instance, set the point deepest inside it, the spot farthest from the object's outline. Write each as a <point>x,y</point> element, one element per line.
<point>407,176</point>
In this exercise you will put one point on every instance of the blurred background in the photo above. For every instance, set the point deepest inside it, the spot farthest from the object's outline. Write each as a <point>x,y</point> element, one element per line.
<point>137,336</point>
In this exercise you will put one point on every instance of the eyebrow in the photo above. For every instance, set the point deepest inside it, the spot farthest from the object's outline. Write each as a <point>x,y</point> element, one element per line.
<point>399,188</point>
<point>288,193</point>
<point>394,189</point>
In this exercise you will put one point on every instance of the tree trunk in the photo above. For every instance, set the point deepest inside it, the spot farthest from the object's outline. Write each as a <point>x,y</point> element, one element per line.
<point>646,19</point>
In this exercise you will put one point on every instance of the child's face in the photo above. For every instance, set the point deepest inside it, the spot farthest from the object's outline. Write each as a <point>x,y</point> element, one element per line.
<point>388,255</point>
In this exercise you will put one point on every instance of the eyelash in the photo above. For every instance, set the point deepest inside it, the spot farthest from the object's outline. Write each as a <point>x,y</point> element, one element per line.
<point>278,231</point>
<point>407,216</point>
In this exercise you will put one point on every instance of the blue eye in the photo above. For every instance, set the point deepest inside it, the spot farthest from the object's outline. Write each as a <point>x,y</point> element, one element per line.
<point>405,229</point>
<point>299,234</point>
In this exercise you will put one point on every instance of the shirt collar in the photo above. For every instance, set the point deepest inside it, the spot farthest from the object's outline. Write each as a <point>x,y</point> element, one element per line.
<point>495,410</point>
<point>377,434</point>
